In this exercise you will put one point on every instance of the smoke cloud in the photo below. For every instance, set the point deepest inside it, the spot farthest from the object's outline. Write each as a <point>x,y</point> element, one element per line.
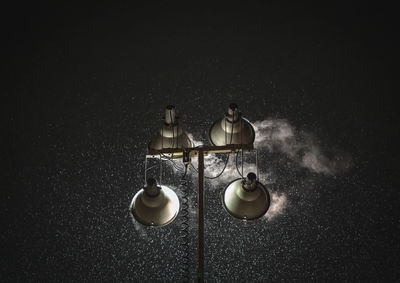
<point>278,135</point>
<point>277,205</point>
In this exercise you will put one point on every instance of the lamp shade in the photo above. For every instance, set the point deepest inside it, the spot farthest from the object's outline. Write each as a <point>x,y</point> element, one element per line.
<point>232,129</point>
<point>171,134</point>
<point>246,199</point>
<point>155,205</point>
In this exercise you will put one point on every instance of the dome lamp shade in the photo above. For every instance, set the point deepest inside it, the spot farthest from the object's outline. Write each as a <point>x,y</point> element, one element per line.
<point>171,134</point>
<point>246,199</point>
<point>155,205</point>
<point>232,129</point>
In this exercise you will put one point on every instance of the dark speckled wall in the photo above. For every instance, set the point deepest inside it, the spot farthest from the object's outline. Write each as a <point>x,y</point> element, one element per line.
<point>83,90</point>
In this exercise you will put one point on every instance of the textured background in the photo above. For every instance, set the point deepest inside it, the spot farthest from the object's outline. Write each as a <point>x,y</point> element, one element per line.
<point>84,88</point>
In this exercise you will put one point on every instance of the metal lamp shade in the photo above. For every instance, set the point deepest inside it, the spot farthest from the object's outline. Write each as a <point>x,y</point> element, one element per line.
<point>170,137</point>
<point>231,129</point>
<point>243,204</point>
<point>156,210</point>
<point>171,134</point>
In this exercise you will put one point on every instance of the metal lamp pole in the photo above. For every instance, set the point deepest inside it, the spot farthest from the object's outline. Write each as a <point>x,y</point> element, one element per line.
<point>200,216</point>
<point>200,152</point>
